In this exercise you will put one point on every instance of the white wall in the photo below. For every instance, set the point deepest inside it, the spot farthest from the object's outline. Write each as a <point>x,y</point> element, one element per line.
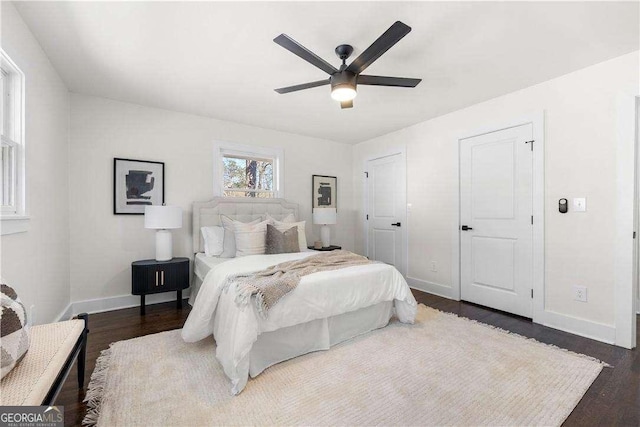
<point>103,245</point>
<point>580,160</point>
<point>36,262</point>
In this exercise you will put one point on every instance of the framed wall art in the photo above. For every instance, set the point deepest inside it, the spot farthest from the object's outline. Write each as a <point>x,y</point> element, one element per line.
<point>324,191</point>
<point>136,184</point>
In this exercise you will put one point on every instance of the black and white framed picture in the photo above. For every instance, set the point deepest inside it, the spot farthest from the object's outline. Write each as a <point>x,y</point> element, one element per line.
<point>324,191</point>
<point>136,184</point>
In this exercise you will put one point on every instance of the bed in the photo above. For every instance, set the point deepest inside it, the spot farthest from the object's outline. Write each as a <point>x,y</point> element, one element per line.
<point>325,309</point>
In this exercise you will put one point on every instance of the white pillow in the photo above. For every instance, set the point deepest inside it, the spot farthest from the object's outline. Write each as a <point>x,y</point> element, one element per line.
<point>289,218</point>
<point>302,236</point>
<point>213,240</point>
<point>229,245</point>
<point>251,239</point>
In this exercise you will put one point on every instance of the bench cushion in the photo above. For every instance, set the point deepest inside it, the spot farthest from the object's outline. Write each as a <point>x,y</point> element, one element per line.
<point>30,381</point>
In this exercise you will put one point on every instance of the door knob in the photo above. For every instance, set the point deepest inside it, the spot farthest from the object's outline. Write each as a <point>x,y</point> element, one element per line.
<point>397,224</point>
<point>465,228</point>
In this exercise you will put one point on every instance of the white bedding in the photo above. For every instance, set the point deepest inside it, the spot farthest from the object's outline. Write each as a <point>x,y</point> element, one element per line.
<point>203,264</point>
<point>318,296</point>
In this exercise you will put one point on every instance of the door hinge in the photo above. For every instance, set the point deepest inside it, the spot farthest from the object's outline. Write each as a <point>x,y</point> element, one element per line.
<point>532,141</point>
<point>531,293</point>
<point>634,234</point>
<point>366,174</point>
<point>531,219</point>
<point>367,217</point>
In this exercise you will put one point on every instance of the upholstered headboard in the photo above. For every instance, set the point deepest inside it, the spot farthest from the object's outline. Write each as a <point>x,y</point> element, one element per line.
<point>208,213</point>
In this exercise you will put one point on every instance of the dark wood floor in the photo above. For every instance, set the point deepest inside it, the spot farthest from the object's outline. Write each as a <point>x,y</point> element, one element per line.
<point>613,399</point>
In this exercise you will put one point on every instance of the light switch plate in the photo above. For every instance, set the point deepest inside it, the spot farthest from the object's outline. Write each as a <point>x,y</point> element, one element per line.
<point>579,204</point>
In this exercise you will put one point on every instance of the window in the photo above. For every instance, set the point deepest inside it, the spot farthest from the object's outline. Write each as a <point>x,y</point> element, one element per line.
<point>246,171</point>
<point>12,150</point>
<point>247,176</point>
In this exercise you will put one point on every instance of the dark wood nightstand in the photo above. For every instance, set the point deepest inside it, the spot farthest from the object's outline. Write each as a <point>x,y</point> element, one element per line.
<point>328,248</point>
<point>151,277</point>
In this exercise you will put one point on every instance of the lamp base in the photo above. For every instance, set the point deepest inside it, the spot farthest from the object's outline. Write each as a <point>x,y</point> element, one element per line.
<point>325,236</point>
<point>164,245</point>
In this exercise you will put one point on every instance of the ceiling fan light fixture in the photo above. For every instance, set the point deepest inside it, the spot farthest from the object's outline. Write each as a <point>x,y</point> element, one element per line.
<point>343,86</point>
<point>343,92</point>
<point>347,78</point>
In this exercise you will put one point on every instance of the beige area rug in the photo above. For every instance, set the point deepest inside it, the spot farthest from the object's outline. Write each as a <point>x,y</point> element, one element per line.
<point>444,370</point>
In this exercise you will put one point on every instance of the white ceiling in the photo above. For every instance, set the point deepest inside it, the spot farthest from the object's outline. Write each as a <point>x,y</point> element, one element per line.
<point>219,60</point>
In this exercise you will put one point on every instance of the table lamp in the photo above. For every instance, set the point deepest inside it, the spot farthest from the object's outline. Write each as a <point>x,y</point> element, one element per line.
<point>325,217</point>
<point>163,218</point>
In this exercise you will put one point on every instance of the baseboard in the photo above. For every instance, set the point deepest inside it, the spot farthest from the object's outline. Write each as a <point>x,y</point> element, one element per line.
<point>584,328</point>
<point>100,305</point>
<point>430,287</point>
<point>66,314</point>
<point>573,325</point>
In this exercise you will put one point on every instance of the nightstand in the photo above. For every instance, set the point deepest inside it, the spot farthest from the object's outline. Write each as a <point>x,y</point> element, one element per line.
<point>151,277</point>
<point>328,248</point>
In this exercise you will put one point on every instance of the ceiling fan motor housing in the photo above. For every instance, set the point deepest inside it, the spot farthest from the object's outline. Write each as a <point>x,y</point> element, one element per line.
<point>343,79</point>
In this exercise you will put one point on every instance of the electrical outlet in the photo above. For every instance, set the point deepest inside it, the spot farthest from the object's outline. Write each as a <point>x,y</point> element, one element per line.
<point>434,266</point>
<point>580,293</point>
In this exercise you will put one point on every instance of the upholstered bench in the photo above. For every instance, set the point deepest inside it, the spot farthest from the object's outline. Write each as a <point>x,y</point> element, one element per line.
<point>39,376</point>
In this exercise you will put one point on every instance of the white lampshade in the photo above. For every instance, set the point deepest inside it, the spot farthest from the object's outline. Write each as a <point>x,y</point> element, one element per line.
<point>162,217</point>
<point>325,216</point>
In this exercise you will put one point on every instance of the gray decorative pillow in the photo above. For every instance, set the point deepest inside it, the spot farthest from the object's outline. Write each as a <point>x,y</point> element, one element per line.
<point>14,332</point>
<point>279,242</point>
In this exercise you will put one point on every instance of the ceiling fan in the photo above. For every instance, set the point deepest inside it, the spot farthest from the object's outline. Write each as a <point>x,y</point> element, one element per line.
<point>345,80</point>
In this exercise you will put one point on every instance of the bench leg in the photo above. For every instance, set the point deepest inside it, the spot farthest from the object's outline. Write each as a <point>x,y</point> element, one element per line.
<point>82,355</point>
<point>81,365</point>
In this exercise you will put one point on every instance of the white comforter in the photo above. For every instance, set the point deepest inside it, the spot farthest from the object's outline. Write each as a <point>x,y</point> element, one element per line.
<point>318,296</point>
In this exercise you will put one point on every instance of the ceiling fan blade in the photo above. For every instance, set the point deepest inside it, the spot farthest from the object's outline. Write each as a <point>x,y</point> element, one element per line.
<point>390,37</point>
<point>346,104</point>
<point>387,81</point>
<point>302,86</point>
<point>296,48</point>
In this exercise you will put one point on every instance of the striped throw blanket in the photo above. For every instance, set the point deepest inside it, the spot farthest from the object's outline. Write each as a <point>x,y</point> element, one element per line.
<point>271,284</point>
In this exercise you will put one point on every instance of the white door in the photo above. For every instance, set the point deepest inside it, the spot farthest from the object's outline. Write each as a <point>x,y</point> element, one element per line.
<point>386,190</point>
<point>496,216</point>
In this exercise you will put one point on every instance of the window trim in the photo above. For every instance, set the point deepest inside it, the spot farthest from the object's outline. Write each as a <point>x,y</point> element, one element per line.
<point>223,148</point>
<point>14,219</point>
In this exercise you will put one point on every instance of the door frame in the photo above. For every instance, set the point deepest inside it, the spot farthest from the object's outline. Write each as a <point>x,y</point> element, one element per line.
<point>636,219</point>
<point>627,221</point>
<point>401,150</point>
<point>536,120</point>
<point>620,302</point>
